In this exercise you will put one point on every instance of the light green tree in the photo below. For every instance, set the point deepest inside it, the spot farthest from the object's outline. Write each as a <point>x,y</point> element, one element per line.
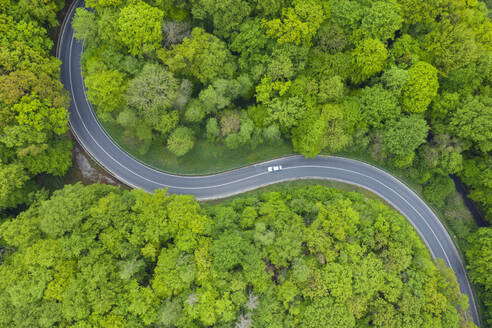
<point>378,106</point>
<point>213,130</point>
<point>201,57</point>
<point>421,87</point>
<point>181,141</point>
<point>473,121</point>
<point>140,28</point>
<point>39,115</point>
<point>381,21</point>
<point>14,186</point>
<point>477,173</point>
<point>99,4</point>
<point>152,92</point>
<point>402,137</point>
<point>84,25</point>
<point>106,90</point>
<point>479,256</point>
<point>368,59</point>
<point>226,15</point>
<point>298,24</point>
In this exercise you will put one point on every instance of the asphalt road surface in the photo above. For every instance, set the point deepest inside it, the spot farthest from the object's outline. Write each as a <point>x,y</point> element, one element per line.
<point>130,171</point>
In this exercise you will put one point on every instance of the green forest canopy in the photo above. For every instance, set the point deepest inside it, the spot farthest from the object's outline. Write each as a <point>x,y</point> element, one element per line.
<point>407,81</point>
<point>344,77</point>
<point>312,256</point>
<point>33,103</point>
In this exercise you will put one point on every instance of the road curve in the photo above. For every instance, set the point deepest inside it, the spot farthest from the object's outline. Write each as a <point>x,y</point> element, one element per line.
<point>100,146</point>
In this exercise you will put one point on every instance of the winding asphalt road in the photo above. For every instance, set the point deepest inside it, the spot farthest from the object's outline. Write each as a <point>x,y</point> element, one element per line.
<point>130,171</point>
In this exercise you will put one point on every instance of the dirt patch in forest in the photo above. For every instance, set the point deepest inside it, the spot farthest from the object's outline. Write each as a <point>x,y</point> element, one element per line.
<point>85,170</point>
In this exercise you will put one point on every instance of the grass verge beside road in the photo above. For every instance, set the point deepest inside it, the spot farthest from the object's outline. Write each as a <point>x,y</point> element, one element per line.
<point>204,158</point>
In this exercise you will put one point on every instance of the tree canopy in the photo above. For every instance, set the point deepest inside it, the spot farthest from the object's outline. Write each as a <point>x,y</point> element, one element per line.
<point>140,28</point>
<point>406,82</point>
<point>300,257</point>
<point>33,103</point>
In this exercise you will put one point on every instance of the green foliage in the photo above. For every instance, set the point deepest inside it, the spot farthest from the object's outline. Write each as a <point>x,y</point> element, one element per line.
<point>151,93</point>
<point>230,122</point>
<point>479,258</point>
<point>443,157</point>
<point>213,130</point>
<point>103,3</point>
<point>478,174</point>
<point>42,11</point>
<point>106,90</point>
<point>473,121</point>
<point>320,131</point>
<point>181,141</point>
<point>168,121</point>
<point>127,118</point>
<point>232,141</point>
<point>216,96</point>
<point>326,74</point>
<point>203,57</point>
<point>25,46</point>
<point>250,43</point>
<point>14,185</point>
<point>100,256</point>
<point>14,33</point>
<point>420,88</point>
<point>405,51</point>
<point>381,21</point>
<point>437,190</point>
<point>331,38</point>
<point>451,46</point>
<point>272,133</point>
<point>394,79</point>
<point>33,103</point>
<point>368,59</point>
<point>331,89</point>
<point>140,28</point>
<point>307,137</point>
<point>378,106</point>
<point>226,15</point>
<point>84,25</point>
<point>298,23</point>
<point>402,137</point>
<point>31,112</point>
<point>296,56</point>
<point>108,30</point>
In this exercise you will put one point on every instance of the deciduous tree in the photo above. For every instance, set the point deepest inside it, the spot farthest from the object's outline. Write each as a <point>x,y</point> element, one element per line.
<point>152,92</point>
<point>402,137</point>
<point>420,89</point>
<point>368,59</point>
<point>298,24</point>
<point>181,141</point>
<point>140,28</point>
<point>106,90</point>
<point>473,121</point>
<point>202,57</point>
